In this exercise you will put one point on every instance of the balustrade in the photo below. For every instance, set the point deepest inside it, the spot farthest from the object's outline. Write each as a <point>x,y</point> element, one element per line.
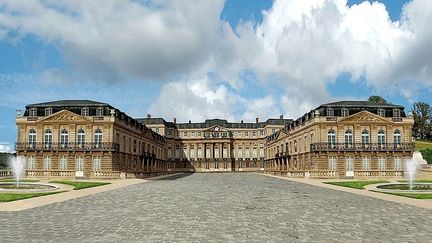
<point>5,173</point>
<point>362,146</point>
<point>67,146</point>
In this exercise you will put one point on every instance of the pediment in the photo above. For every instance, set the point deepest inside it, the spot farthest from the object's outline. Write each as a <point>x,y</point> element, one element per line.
<point>216,128</point>
<point>65,116</point>
<point>364,116</point>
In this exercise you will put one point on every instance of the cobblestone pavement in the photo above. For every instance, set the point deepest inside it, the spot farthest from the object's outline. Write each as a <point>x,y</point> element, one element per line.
<point>219,207</point>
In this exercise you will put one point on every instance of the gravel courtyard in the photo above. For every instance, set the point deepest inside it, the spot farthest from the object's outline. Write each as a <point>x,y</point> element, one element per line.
<point>219,207</point>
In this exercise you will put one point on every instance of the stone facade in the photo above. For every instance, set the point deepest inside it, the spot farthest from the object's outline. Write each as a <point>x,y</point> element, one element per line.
<point>82,138</point>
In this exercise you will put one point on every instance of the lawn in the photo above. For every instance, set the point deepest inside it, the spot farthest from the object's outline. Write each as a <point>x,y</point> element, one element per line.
<point>412,195</point>
<point>422,145</point>
<point>78,185</point>
<point>21,180</point>
<point>8,197</point>
<point>356,184</point>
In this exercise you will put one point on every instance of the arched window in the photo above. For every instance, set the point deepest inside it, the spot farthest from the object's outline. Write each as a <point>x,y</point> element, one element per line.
<point>64,138</point>
<point>381,138</point>
<point>81,138</point>
<point>48,138</point>
<point>97,141</point>
<point>365,138</point>
<point>348,138</point>
<point>32,138</point>
<point>331,138</point>
<point>397,138</point>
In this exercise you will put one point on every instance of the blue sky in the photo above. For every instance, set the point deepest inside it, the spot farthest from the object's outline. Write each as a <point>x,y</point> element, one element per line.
<point>216,59</point>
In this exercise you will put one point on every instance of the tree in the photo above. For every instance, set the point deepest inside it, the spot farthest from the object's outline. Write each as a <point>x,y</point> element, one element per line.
<point>377,99</point>
<point>422,119</point>
<point>427,155</point>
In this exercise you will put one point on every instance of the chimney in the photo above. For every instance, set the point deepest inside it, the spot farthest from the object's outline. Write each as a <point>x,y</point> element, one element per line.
<point>175,121</point>
<point>18,113</point>
<point>281,117</point>
<point>148,116</point>
<point>257,119</point>
<point>189,121</point>
<point>241,121</point>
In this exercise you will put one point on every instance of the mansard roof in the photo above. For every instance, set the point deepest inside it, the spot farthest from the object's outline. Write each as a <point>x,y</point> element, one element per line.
<point>359,103</point>
<point>68,103</point>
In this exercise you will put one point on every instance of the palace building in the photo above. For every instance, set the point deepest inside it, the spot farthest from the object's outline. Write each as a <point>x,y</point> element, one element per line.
<point>82,138</point>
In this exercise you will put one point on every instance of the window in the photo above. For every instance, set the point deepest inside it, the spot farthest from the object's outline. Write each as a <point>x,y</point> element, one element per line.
<point>200,154</point>
<point>247,153</point>
<point>345,112</point>
<point>48,111</point>
<point>365,162</point>
<point>63,163</point>
<point>273,130</point>
<point>332,163</point>
<point>397,138</point>
<point>381,163</point>
<point>48,138</point>
<point>254,153</point>
<point>169,155</point>
<point>185,134</point>
<point>47,163</point>
<point>365,138</point>
<point>81,138</point>
<point>33,112</point>
<point>246,134</point>
<point>192,152</point>
<point>349,164</point>
<point>216,151</point>
<point>64,138</point>
<point>99,112</point>
<point>79,163</point>
<point>192,134</point>
<point>199,134</point>
<point>32,138</point>
<point>381,138</point>
<point>31,163</point>
<point>84,112</point>
<point>96,163</point>
<point>208,155</point>
<point>261,152</point>
<point>224,152</point>
<point>97,142</point>
<point>396,113</point>
<point>185,152</point>
<point>239,134</point>
<point>398,163</point>
<point>253,134</point>
<point>348,139</point>
<point>240,152</point>
<point>381,112</point>
<point>331,138</point>
<point>261,133</point>
<point>330,112</point>
<point>135,146</point>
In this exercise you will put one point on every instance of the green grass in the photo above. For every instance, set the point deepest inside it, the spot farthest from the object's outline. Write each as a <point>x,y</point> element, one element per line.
<point>356,184</point>
<point>22,180</point>
<point>8,197</point>
<point>78,185</point>
<point>419,180</point>
<point>412,195</point>
<point>422,145</point>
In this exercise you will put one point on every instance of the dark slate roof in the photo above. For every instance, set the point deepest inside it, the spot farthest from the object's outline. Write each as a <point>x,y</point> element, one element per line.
<point>213,122</point>
<point>359,103</point>
<point>69,103</point>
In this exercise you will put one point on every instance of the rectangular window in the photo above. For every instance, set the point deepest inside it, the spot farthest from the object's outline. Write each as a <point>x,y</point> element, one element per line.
<point>192,152</point>
<point>185,152</point>
<point>247,153</point>
<point>192,134</point>
<point>99,112</point>
<point>199,134</point>
<point>208,152</point>
<point>398,163</point>
<point>30,163</point>
<point>332,163</point>
<point>381,112</point>
<point>47,163</point>
<point>216,152</point>
<point>381,163</point>
<point>96,163</point>
<point>185,134</point>
<point>261,133</point>
<point>349,164</point>
<point>63,163</point>
<point>261,150</point>
<point>79,163</point>
<point>33,112</point>
<point>253,134</point>
<point>48,112</point>
<point>84,112</point>
<point>365,163</point>
<point>239,134</point>
<point>169,155</point>
<point>254,153</point>
<point>177,152</point>
<point>330,112</point>
<point>345,112</point>
<point>396,113</point>
<point>225,152</point>
<point>200,155</point>
<point>240,152</point>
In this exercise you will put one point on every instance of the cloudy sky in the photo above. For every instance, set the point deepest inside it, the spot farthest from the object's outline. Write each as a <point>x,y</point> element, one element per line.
<point>229,59</point>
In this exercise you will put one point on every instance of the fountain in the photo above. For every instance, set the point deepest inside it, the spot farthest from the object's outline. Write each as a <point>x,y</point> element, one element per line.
<point>412,165</point>
<point>17,165</point>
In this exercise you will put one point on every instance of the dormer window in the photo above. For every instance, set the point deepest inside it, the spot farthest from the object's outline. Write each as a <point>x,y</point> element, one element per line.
<point>396,113</point>
<point>99,112</point>
<point>84,112</point>
<point>345,112</point>
<point>330,112</point>
<point>32,112</point>
<point>381,112</point>
<point>48,111</point>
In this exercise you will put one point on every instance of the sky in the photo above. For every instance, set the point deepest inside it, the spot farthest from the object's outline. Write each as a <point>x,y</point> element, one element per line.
<point>195,60</point>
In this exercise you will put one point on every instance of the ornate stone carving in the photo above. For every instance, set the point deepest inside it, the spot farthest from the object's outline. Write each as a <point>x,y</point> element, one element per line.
<point>65,116</point>
<point>364,116</point>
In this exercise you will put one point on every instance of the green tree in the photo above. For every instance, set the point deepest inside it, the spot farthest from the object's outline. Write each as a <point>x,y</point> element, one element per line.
<point>377,99</point>
<point>422,119</point>
<point>4,157</point>
<point>427,155</point>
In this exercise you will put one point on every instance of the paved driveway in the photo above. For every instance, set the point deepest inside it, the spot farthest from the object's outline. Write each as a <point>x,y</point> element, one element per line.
<point>220,207</point>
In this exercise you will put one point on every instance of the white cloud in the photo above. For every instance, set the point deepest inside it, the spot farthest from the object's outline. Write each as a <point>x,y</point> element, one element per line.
<point>6,149</point>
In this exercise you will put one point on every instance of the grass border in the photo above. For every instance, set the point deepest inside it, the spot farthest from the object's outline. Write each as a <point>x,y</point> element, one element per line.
<point>10,197</point>
<point>360,185</point>
<point>79,185</point>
